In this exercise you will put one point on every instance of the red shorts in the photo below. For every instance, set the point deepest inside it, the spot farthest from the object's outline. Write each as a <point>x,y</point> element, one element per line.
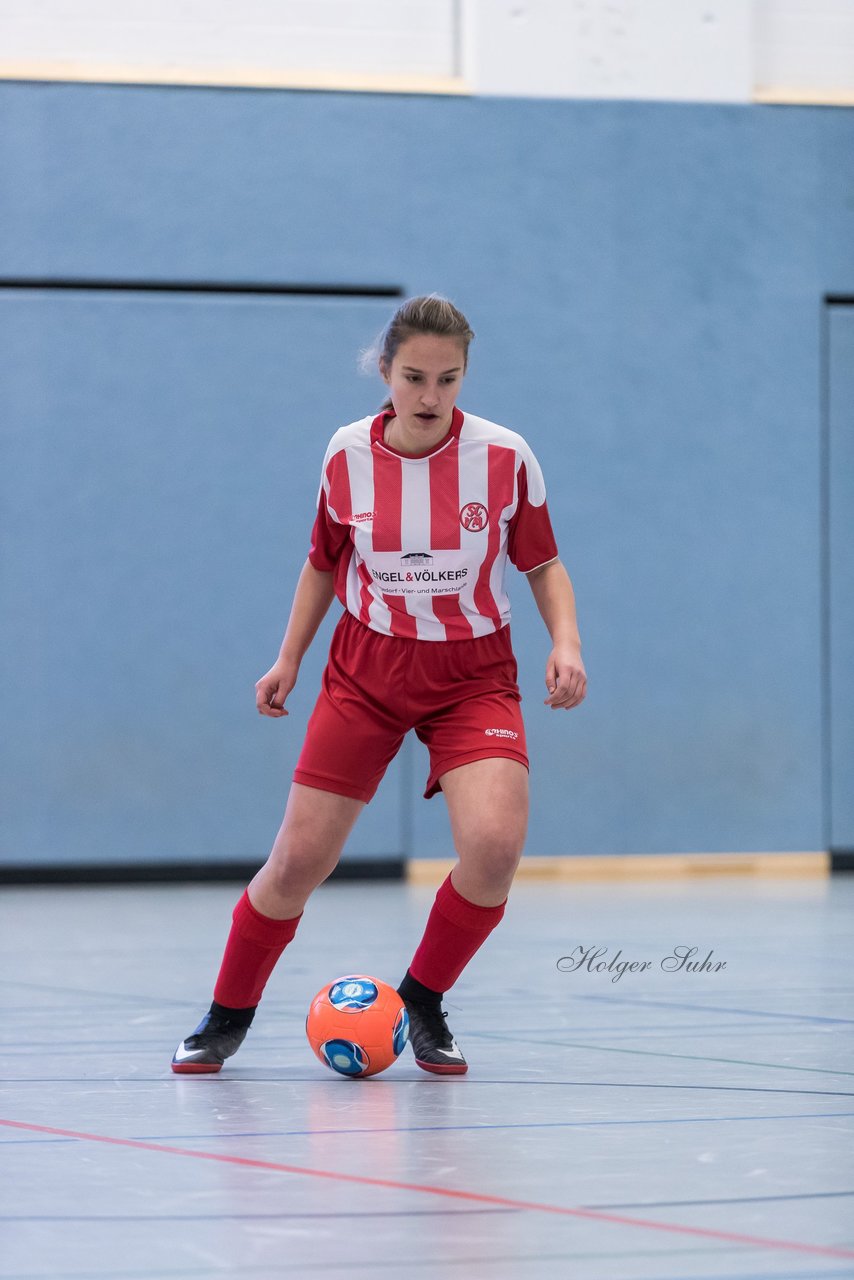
<point>460,697</point>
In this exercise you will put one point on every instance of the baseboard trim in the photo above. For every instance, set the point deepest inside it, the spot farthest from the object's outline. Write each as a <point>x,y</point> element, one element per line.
<point>801,96</point>
<point>642,866</point>
<point>68,71</point>
<point>434,870</point>
<point>185,872</point>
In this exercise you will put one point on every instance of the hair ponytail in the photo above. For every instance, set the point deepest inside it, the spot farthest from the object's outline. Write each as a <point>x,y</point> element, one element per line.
<point>430,314</point>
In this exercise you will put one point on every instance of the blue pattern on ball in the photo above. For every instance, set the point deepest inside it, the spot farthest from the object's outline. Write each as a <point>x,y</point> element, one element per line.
<point>353,994</point>
<point>401,1032</point>
<point>343,1056</point>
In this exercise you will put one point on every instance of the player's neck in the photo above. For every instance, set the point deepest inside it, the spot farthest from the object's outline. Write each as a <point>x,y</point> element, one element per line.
<point>417,439</point>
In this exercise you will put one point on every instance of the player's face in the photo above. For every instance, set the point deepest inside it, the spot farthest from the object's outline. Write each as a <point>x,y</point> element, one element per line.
<point>424,380</point>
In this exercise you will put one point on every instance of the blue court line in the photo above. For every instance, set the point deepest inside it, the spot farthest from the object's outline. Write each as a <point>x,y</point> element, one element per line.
<point>685,1204</point>
<point>621,1084</point>
<point>659,1053</point>
<point>264,1037</point>
<point>269,1038</point>
<point>265,1031</point>
<point>640,1003</point>
<point>656,1028</point>
<point>459,1128</point>
<point>472,1082</point>
<point>536,1124</point>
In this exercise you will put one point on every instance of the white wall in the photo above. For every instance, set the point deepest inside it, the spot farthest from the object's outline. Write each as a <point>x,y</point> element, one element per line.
<point>696,50</point>
<point>692,50</point>
<point>678,49</point>
<point>804,48</point>
<point>252,41</point>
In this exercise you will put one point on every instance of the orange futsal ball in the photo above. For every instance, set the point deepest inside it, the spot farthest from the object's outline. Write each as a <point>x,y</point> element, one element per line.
<point>357,1025</point>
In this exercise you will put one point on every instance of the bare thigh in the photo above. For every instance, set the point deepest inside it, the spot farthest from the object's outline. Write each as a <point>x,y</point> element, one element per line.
<point>306,850</point>
<point>488,806</point>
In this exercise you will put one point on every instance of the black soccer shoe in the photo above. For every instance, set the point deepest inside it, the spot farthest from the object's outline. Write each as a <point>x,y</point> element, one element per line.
<point>214,1040</point>
<point>434,1047</point>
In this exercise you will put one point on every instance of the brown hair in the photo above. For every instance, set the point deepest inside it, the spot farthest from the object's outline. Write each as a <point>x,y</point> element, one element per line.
<point>429,313</point>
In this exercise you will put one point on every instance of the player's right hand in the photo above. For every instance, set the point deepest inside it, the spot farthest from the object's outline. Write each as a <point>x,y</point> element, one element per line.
<point>273,688</point>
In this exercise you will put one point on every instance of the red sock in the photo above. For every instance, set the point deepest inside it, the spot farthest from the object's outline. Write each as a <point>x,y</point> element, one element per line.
<point>456,928</point>
<point>254,945</point>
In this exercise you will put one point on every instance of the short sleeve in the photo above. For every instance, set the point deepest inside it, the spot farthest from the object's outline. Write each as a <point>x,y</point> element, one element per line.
<point>331,530</point>
<point>530,538</point>
<point>328,538</point>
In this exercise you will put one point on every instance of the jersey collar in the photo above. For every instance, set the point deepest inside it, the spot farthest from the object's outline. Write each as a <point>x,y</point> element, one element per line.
<point>378,427</point>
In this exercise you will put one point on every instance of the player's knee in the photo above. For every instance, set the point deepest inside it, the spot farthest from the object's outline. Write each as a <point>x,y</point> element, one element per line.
<point>299,858</point>
<point>505,861</point>
<point>299,875</point>
<point>495,851</point>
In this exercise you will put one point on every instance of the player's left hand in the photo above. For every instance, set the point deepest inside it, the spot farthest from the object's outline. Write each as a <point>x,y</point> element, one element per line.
<point>566,679</point>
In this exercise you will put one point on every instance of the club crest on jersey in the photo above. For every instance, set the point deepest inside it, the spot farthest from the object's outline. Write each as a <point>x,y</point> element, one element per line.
<point>474,517</point>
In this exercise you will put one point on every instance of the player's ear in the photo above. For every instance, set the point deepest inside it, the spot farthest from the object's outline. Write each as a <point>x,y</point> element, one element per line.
<point>384,371</point>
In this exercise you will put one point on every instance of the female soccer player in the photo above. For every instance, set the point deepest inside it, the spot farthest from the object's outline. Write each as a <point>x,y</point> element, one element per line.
<point>419,509</point>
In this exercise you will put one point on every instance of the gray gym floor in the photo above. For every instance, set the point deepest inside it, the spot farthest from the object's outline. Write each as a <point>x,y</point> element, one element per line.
<point>667,1124</point>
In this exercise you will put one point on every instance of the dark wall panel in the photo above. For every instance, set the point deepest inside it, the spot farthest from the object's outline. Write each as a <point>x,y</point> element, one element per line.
<point>840,491</point>
<point>161,457</point>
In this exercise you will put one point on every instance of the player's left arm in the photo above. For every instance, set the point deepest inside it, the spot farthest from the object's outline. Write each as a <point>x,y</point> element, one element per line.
<point>566,679</point>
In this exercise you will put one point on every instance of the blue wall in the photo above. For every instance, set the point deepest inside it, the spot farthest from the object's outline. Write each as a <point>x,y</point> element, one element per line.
<point>645,281</point>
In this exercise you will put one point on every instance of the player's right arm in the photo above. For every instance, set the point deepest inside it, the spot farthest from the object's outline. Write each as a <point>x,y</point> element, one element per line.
<point>312,598</point>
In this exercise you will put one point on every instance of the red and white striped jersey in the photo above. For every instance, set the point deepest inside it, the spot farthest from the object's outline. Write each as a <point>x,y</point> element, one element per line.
<point>419,545</point>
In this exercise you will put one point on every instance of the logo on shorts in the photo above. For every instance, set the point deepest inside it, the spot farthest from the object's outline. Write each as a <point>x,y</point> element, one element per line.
<point>474,517</point>
<point>501,733</point>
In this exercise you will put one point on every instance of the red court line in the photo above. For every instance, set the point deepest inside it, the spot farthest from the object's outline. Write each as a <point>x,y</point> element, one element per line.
<point>730,1237</point>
